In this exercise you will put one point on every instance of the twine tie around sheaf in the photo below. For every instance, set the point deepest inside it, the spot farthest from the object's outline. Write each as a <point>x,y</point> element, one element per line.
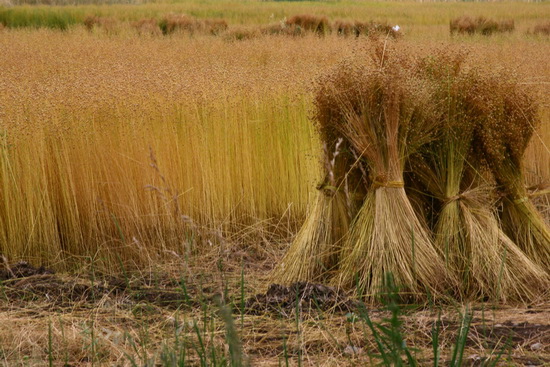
<point>382,182</point>
<point>328,190</point>
<point>539,191</point>
<point>453,199</point>
<point>521,200</point>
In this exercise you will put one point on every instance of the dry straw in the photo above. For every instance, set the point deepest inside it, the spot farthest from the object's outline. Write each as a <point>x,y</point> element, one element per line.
<point>542,28</point>
<point>508,117</point>
<point>467,232</point>
<point>480,25</point>
<point>445,121</point>
<point>315,252</point>
<point>311,23</point>
<point>357,28</point>
<point>388,115</point>
<point>108,24</point>
<point>147,26</point>
<point>172,23</point>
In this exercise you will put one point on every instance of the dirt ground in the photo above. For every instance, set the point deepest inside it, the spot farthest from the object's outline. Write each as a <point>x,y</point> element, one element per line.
<point>91,318</point>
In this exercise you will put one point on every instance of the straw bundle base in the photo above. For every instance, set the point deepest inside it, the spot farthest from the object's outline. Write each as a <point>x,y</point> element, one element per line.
<point>387,238</point>
<point>315,250</point>
<point>488,262</point>
<point>525,225</point>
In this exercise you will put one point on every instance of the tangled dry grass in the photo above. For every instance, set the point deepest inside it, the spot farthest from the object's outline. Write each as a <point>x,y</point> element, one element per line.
<point>146,316</point>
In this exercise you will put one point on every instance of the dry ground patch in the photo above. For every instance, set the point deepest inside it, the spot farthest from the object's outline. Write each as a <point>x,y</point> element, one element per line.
<point>94,318</point>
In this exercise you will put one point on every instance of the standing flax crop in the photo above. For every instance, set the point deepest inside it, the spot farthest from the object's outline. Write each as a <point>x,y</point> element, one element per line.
<point>389,114</point>
<point>508,117</point>
<point>467,231</point>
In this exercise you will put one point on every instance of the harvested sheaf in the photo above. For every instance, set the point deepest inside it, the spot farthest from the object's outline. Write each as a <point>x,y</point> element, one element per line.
<point>90,22</point>
<point>373,28</point>
<point>108,24</point>
<point>148,26</point>
<point>480,25</point>
<point>310,23</point>
<point>467,231</point>
<point>542,29</point>
<point>357,28</point>
<point>283,28</point>
<point>183,23</point>
<point>388,117</point>
<point>179,23</point>
<point>345,28</point>
<point>460,133</point>
<point>215,26</point>
<point>508,119</point>
<point>241,33</point>
<point>296,26</point>
<point>315,252</point>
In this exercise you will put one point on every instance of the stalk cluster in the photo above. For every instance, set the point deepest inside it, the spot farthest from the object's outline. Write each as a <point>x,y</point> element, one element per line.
<point>426,182</point>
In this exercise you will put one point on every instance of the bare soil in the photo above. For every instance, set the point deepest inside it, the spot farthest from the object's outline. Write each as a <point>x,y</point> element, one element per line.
<point>48,315</point>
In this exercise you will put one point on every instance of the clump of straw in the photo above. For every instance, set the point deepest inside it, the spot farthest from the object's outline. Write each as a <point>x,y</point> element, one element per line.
<point>315,250</point>
<point>480,25</point>
<point>467,231</point>
<point>388,116</point>
<point>311,23</point>
<point>462,132</point>
<point>508,118</point>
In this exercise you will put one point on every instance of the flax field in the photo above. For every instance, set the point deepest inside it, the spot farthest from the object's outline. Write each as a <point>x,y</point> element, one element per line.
<point>157,160</point>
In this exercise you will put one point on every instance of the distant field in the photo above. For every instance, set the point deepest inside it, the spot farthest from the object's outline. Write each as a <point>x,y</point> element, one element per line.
<point>415,16</point>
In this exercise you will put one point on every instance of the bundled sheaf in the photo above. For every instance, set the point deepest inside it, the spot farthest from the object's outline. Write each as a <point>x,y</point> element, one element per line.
<point>389,119</point>
<point>315,252</point>
<point>456,136</point>
<point>467,231</point>
<point>508,118</point>
<point>480,25</point>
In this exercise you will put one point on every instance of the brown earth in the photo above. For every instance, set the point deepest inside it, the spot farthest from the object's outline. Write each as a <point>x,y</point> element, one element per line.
<point>46,314</point>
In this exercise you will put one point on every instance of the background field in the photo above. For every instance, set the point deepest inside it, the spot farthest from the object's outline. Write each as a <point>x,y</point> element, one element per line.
<point>127,145</point>
<point>140,154</point>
